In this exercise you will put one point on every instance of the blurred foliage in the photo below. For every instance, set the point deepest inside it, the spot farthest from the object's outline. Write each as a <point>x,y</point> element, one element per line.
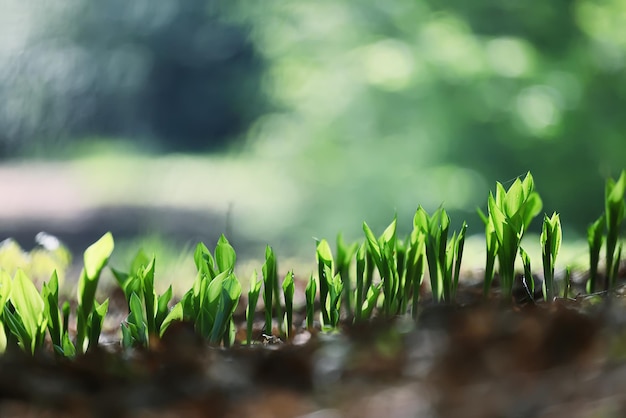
<point>428,102</point>
<point>39,263</point>
<point>175,75</point>
<point>374,105</point>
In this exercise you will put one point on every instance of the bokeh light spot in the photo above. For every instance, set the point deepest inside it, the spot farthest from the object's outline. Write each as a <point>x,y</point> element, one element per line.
<point>539,108</point>
<point>509,57</point>
<point>388,64</point>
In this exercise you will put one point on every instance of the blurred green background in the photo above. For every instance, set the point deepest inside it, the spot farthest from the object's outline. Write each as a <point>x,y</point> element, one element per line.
<point>277,121</point>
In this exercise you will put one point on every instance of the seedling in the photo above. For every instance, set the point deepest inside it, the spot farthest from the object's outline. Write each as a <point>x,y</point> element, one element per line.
<point>492,247</point>
<point>614,215</point>
<point>288,291</point>
<point>57,319</point>
<point>212,300</point>
<point>5,292</point>
<point>360,284</point>
<point>595,238</point>
<point>443,257</point>
<point>384,255</point>
<point>551,237</point>
<point>310,292</point>
<point>325,274</point>
<point>373,293</point>
<point>414,270</point>
<point>567,288</point>
<point>147,310</point>
<point>343,260</point>
<point>270,282</point>
<point>335,291</point>
<point>90,314</point>
<point>24,313</point>
<point>527,280</point>
<point>510,213</point>
<point>253,297</point>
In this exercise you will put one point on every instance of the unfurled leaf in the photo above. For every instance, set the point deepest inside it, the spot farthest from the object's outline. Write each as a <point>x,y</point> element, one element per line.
<point>371,300</point>
<point>224,255</point>
<point>147,276</point>
<point>288,291</point>
<point>162,308</point>
<point>30,307</point>
<point>253,297</point>
<point>228,300</point>
<point>614,215</point>
<point>50,296</point>
<point>3,338</point>
<point>270,280</point>
<point>97,255</point>
<point>528,281</point>
<point>325,270</point>
<point>97,319</point>
<point>5,288</point>
<point>389,235</point>
<point>360,283</point>
<point>373,246</point>
<point>595,238</point>
<point>310,292</point>
<point>204,261</point>
<point>510,214</point>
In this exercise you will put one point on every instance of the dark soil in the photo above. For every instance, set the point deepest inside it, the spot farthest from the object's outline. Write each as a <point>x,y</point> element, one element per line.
<point>483,359</point>
<point>477,359</point>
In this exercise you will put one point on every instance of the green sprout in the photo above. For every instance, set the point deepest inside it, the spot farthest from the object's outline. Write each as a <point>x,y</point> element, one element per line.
<point>567,288</point>
<point>527,281</point>
<point>147,310</point>
<point>443,257</point>
<point>360,284</point>
<point>310,292</point>
<point>57,319</point>
<point>25,313</point>
<point>5,292</point>
<point>492,247</point>
<point>336,289</point>
<point>325,274</point>
<point>414,270</point>
<point>270,282</point>
<point>614,214</point>
<point>510,213</point>
<point>213,298</point>
<point>253,297</point>
<point>595,238</point>
<point>343,261</point>
<point>551,237</point>
<point>383,252</point>
<point>89,313</point>
<point>454,255</point>
<point>288,291</point>
<point>371,300</point>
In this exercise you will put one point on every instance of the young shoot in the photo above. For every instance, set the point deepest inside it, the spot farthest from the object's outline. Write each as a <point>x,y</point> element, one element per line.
<point>253,297</point>
<point>551,237</point>
<point>595,238</point>
<point>510,213</point>
<point>614,215</point>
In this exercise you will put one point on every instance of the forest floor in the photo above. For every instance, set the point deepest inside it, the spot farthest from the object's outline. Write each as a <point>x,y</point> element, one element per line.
<point>474,359</point>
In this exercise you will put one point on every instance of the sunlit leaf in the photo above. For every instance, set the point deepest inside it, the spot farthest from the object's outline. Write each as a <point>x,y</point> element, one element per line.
<point>97,255</point>
<point>28,304</point>
<point>5,288</point>
<point>225,256</point>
